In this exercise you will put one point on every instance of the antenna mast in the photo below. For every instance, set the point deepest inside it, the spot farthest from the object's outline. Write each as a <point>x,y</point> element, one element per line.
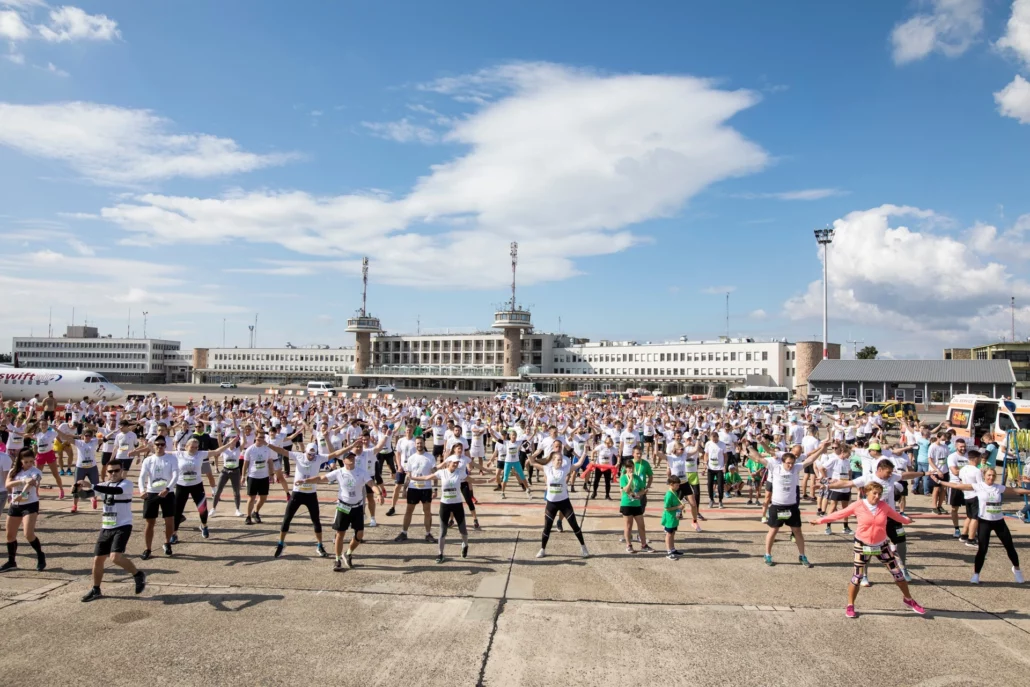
<point>514,263</point>
<point>364,284</point>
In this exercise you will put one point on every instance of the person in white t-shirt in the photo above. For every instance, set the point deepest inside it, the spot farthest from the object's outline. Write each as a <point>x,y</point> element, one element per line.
<point>351,480</point>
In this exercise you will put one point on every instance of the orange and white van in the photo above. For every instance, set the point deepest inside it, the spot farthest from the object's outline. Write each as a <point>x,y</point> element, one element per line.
<point>972,416</point>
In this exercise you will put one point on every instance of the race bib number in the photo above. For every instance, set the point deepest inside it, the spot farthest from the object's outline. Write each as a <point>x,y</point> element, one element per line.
<point>306,487</point>
<point>783,515</point>
<point>109,520</point>
<point>450,493</point>
<point>88,463</point>
<point>870,550</point>
<point>259,465</point>
<point>340,508</point>
<point>554,488</point>
<point>900,531</point>
<point>189,476</point>
<point>993,507</point>
<point>159,484</point>
<point>231,463</point>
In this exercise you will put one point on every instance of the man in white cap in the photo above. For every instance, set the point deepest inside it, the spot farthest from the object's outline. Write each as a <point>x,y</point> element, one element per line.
<point>304,494</point>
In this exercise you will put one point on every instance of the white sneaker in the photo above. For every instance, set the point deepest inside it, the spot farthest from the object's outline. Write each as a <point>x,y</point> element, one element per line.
<point>540,553</point>
<point>975,579</point>
<point>586,554</point>
<point>212,513</point>
<point>372,522</point>
<point>865,582</point>
<point>1019,575</point>
<point>239,513</point>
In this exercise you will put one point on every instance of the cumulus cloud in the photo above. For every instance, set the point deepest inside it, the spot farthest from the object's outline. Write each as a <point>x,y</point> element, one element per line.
<point>562,159</point>
<point>1010,244</point>
<point>13,27</point>
<point>1014,100</point>
<point>73,24</point>
<point>915,280</point>
<point>33,280</point>
<point>114,145</point>
<point>1017,32</point>
<point>950,28</point>
<point>758,314</point>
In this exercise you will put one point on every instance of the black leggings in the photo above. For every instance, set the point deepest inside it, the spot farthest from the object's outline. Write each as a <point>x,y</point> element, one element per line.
<point>983,534</point>
<point>231,475</point>
<point>550,511</point>
<point>466,491</point>
<point>199,496</point>
<point>447,511</point>
<point>607,481</point>
<point>716,476</point>
<point>298,499</point>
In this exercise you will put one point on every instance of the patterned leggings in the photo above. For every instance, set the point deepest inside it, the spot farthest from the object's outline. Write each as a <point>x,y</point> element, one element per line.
<point>885,555</point>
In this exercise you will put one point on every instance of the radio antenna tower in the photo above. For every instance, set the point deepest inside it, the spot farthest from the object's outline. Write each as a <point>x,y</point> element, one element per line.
<point>514,264</point>
<point>364,284</point>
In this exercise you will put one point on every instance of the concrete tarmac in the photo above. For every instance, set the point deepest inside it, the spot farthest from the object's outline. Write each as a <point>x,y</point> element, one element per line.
<point>224,611</point>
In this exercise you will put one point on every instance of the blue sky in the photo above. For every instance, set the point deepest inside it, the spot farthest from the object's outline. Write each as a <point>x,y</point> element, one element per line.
<point>203,160</point>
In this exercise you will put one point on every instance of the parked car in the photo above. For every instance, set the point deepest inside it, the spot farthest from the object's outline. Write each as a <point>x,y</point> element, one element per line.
<point>385,388</point>
<point>504,396</point>
<point>227,385</point>
<point>848,404</point>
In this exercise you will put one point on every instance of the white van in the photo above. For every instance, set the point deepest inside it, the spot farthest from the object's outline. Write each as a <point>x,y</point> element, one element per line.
<point>320,388</point>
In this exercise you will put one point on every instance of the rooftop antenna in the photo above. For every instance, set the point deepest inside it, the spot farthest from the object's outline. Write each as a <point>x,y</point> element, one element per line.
<point>727,314</point>
<point>418,325</point>
<point>1013,307</point>
<point>50,324</point>
<point>514,264</point>
<point>364,284</point>
<point>251,328</point>
<point>855,344</point>
<point>254,329</point>
<point>128,324</point>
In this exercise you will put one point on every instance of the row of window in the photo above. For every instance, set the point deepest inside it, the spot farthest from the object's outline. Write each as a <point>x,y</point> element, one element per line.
<point>496,343</point>
<point>95,366</point>
<point>80,345</point>
<point>76,355</point>
<point>275,368</point>
<point>716,356</point>
<point>669,372</point>
<point>286,357</point>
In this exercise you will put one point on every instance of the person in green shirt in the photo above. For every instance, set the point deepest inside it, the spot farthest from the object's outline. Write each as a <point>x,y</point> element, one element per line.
<point>632,487</point>
<point>642,469</point>
<point>670,517</point>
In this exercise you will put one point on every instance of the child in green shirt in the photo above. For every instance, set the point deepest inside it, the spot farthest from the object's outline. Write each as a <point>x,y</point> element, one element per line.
<point>670,517</point>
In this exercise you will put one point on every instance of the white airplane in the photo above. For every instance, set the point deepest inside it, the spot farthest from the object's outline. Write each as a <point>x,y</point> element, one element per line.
<point>20,384</point>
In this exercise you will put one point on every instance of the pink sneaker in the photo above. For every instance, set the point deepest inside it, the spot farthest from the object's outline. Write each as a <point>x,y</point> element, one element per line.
<point>61,497</point>
<point>75,508</point>
<point>849,611</point>
<point>916,608</point>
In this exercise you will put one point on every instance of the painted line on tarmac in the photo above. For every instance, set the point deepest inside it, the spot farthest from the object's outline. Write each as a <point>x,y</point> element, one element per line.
<point>497,614</point>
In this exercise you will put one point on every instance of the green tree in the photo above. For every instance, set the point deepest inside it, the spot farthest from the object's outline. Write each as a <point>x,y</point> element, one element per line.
<point>867,353</point>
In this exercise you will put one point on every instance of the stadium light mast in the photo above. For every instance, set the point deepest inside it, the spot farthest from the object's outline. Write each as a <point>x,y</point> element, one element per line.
<point>824,237</point>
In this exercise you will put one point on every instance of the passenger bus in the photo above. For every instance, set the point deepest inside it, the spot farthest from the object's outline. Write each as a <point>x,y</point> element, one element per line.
<point>757,396</point>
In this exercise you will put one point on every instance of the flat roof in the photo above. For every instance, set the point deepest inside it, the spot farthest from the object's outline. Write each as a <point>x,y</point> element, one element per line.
<point>925,371</point>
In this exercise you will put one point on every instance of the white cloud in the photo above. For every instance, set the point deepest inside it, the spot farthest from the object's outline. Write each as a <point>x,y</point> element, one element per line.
<point>114,145</point>
<point>1014,100</point>
<point>73,24</point>
<point>803,194</point>
<point>14,55</point>
<point>950,28</point>
<point>54,69</point>
<point>12,27</point>
<point>1011,243</point>
<point>758,314</point>
<point>718,290</point>
<point>31,281</point>
<point>912,280</point>
<point>561,159</point>
<point>402,131</point>
<point>1017,32</point>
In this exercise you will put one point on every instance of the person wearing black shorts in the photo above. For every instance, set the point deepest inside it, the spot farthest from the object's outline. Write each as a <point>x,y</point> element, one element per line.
<point>351,481</point>
<point>157,476</point>
<point>115,530</point>
<point>418,466</point>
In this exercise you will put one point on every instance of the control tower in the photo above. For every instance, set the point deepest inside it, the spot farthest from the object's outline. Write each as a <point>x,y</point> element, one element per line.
<point>364,326</point>
<point>513,320</point>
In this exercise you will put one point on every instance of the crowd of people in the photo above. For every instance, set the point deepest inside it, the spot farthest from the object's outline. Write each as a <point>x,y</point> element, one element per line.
<point>434,449</point>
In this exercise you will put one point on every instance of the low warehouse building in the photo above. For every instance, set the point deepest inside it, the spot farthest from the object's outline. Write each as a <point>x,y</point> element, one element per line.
<point>920,381</point>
